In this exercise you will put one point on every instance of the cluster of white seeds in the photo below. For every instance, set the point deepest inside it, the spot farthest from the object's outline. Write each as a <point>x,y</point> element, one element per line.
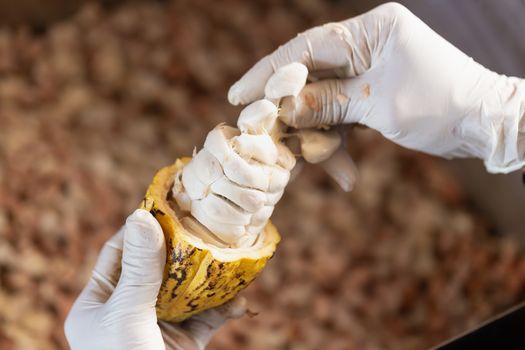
<point>232,184</point>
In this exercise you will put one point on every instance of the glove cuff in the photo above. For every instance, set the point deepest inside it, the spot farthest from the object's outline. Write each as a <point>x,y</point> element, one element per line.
<point>507,132</point>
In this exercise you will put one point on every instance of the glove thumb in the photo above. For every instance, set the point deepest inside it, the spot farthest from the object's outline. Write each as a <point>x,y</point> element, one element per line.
<point>327,103</point>
<point>143,260</point>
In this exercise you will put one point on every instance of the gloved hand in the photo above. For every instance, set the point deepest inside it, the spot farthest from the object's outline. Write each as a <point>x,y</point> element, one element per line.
<point>388,70</point>
<point>116,309</point>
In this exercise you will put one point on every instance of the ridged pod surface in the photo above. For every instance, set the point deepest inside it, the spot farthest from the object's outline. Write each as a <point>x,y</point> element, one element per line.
<point>197,278</point>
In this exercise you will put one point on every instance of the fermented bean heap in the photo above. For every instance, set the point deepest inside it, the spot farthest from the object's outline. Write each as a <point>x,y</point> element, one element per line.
<point>215,208</point>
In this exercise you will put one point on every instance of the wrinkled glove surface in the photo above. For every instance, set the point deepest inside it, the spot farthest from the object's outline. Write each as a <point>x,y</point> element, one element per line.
<point>388,70</point>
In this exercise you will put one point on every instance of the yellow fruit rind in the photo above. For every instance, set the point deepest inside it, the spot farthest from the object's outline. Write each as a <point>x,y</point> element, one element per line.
<point>194,280</point>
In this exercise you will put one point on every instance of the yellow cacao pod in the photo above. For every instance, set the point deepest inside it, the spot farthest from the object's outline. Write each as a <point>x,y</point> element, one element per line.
<point>199,276</point>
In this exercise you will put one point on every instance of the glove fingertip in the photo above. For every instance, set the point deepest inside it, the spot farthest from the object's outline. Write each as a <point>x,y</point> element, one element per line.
<point>235,94</point>
<point>143,230</point>
<point>251,86</point>
<point>243,92</point>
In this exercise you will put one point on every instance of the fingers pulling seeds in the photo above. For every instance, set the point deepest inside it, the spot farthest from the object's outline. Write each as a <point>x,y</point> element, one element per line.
<point>232,185</point>
<point>317,145</point>
<point>258,118</point>
<point>288,80</point>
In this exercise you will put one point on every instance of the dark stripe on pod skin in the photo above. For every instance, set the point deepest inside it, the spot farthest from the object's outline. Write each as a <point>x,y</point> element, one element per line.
<point>177,255</point>
<point>204,281</point>
<point>163,285</point>
<point>191,305</point>
<point>181,264</point>
<point>199,287</point>
<point>209,271</point>
<point>219,285</point>
<point>211,285</point>
<point>220,270</point>
<point>189,253</point>
<point>154,211</point>
<point>178,280</point>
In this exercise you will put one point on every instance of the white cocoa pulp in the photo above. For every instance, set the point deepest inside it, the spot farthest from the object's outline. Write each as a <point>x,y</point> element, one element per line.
<point>227,192</point>
<point>230,186</point>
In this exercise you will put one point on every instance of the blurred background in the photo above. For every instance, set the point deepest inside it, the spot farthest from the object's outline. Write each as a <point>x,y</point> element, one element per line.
<point>96,96</point>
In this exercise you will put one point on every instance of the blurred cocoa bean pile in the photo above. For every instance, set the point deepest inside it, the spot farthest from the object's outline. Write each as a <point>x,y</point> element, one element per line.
<point>92,106</point>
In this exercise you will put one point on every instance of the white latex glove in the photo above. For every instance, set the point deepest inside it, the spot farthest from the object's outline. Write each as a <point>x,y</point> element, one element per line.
<point>388,70</point>
<point>116,309</point>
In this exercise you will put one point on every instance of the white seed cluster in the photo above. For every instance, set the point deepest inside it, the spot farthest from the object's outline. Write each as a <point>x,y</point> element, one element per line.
<point>233,183</point>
